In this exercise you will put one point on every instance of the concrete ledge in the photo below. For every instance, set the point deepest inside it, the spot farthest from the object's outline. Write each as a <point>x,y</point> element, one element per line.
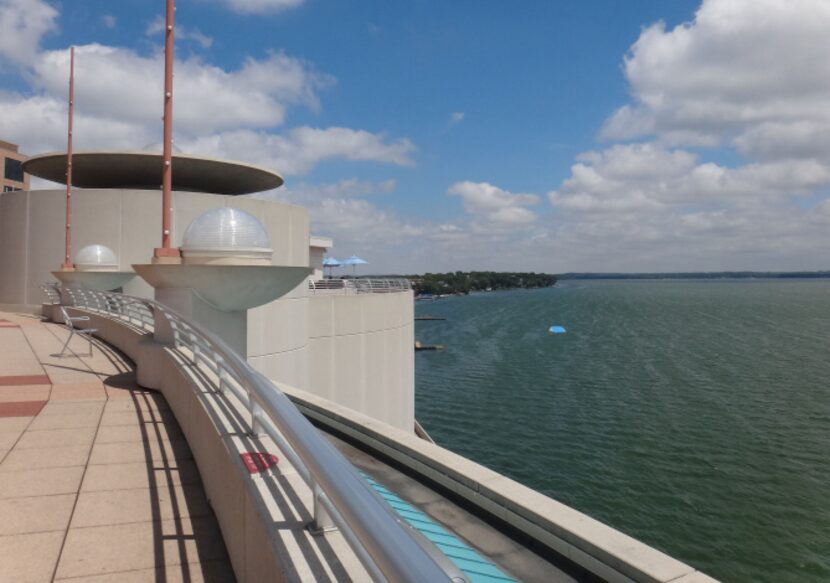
<point>600,549</point>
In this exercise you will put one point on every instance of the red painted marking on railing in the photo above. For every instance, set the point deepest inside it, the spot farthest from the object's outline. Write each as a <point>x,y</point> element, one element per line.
<point>258,461</point>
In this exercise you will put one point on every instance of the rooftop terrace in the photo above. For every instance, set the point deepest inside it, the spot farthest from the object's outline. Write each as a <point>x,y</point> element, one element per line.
<point>95,475</point>
<point>99,477</point>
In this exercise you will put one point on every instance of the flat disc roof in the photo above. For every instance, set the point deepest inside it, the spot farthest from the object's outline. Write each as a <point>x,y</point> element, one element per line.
<point>142,170</point>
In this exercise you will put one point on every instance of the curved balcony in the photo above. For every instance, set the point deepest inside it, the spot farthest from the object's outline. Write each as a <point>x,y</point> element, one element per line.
<point>234,420</point>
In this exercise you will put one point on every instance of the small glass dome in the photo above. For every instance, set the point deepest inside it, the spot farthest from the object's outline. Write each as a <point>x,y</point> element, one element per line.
<point>226,236</point>
<point>96,258</point>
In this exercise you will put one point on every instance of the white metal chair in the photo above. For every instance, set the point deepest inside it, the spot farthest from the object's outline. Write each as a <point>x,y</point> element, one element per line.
<point>69,321</point>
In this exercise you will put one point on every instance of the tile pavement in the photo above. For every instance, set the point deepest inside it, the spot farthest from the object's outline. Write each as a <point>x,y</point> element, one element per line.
<point>96,480</point>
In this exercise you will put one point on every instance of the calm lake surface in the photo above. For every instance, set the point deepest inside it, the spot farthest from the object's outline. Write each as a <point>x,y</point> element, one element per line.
<point>692,415</point>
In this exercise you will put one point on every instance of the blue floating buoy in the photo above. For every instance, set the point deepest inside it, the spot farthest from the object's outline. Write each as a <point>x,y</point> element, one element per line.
<point>557,329</point>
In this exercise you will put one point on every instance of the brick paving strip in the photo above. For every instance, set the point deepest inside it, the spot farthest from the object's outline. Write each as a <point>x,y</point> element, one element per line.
<point>95,476</point>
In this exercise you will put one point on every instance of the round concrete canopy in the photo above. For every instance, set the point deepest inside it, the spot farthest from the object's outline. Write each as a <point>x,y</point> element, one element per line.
<point>142,170</point>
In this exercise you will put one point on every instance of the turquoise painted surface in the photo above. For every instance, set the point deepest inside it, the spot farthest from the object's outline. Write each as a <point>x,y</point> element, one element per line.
<point>474,566</point>
<point>692,415</point>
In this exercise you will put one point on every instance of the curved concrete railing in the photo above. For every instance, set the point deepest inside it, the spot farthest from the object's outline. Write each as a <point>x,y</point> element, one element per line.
<point>602,551</point>
<point>388,548</point>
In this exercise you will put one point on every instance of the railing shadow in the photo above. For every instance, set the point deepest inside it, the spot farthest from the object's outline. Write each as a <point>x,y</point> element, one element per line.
<point>280,490</point>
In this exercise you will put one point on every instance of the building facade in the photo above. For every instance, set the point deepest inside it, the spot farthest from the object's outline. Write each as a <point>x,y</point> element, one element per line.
<point>11,164</point>
<point>354,349</point>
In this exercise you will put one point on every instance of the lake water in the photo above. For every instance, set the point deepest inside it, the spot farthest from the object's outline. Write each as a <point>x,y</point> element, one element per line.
<point>692,415</point>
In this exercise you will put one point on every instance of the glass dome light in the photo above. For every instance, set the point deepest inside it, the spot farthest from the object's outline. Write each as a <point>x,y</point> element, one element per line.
<point>226,236</point>
<point>96,258</point>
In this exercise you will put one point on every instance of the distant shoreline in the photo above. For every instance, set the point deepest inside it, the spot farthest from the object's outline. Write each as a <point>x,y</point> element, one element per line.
<point>700,275</point>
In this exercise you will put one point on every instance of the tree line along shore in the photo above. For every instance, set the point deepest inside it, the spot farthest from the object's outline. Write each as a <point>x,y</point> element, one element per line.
<point>464,282</point>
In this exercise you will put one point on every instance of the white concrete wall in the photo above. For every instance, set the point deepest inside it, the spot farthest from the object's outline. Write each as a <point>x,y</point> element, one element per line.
<point>127,221</point>
<point>315,261</point>
<point>356,350</point>
<point>361,354</point>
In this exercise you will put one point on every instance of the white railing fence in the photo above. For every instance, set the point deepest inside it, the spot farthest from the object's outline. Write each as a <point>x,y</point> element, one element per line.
<point>389,548</point>
<point>360,285</point>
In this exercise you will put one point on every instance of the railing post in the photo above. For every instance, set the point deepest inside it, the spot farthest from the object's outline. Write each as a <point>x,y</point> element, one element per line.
<point>220,372</point>
<point>223,378</point>
<point>256,413</point>
<point>321,523</point>
<point>194,348</point>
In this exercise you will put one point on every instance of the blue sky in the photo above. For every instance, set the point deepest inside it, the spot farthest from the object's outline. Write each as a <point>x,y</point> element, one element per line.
<point>427,135</point>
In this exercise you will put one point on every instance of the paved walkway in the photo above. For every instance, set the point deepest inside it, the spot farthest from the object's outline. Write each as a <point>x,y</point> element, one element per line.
<point>96,480</point>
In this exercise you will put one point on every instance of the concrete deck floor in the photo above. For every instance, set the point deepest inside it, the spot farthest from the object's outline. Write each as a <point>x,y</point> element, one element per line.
<point>96,480</point>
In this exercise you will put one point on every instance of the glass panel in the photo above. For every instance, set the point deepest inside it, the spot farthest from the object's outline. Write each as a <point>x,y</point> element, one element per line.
<point>14,170</point>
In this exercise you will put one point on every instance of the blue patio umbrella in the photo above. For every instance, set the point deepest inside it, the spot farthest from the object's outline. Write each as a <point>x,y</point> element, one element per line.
<point>331,263</point>
<point>354,261</point>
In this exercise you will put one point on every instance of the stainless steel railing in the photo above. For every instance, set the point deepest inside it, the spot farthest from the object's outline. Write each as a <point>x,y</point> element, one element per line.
<point>52,293</point>
<point>360,285</point>
<point>388,548</point>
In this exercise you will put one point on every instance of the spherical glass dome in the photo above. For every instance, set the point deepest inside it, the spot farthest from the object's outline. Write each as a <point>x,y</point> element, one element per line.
<point>96,258</point>
<point>226,235</point>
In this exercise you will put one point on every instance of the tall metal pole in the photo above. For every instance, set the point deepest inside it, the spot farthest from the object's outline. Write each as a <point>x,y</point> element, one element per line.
<point>167,170</point>
<point>67,262</point>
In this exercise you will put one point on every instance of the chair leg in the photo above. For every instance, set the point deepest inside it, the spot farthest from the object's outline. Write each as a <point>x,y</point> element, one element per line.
<point>65,344</point>
<point>89,338</point>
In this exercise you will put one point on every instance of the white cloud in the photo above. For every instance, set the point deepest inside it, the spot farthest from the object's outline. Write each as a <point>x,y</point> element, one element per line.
<point>493,204</point>
<point>746,75</point>
<point>356,225</point>
<point>374,30</point>
<point>219,112</point>
<point>740,65</point>
<point>118,83</point>
<point>307,194</point>
<point>38,124</point>
<point>22,24</point>
<point>261,6</point>
<point>299,149</point>
<point>109,21</point>
<point>456,117</point>
<point>226,112</point>
<point>642,207</point>
<point>158,24</point>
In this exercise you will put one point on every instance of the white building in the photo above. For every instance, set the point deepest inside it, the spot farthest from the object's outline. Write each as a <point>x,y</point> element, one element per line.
<point>353,348</point>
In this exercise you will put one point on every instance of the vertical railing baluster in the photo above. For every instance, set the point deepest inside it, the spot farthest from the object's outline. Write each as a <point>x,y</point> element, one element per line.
<point>256,413</point>
<point>321,522</point>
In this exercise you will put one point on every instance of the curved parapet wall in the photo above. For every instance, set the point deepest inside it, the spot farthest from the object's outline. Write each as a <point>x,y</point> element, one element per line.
<point>604,553</point>
<point>361,355</point>
<point>128,222</point>
<point>278,338</point>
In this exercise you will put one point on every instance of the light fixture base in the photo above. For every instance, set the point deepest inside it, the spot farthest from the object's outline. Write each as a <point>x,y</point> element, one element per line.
<point>167,256</point>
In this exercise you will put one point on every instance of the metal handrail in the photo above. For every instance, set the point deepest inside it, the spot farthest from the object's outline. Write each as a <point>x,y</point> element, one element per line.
<point>388,547</point>
<point>53,295</point>
<point>361,285</point>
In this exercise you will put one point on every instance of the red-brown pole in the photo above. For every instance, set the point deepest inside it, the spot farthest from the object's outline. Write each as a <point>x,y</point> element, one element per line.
<point>67,261</point>
<point>167,170</point>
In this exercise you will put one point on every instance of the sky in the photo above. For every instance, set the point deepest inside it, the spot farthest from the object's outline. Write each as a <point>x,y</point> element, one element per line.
<point>428,135</point>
